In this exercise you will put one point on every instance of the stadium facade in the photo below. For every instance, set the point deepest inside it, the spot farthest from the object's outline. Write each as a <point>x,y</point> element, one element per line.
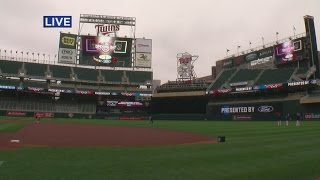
<point>110,76</point>
<point>262,83</point>
<point>93,76</point>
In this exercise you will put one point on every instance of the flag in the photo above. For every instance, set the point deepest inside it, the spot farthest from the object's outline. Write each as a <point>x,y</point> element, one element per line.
<point>239,47</point>
<point>277,33</point>
<point>27,53</point>
<point>294,28</point>
<point>16,52</point>
<point>250,42</point>
<point>228,50</point>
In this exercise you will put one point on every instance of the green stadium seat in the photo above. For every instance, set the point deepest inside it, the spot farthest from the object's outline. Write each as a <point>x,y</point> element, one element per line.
<point>60,71</point>
<point>112,76</point>
<point>9,82</point>
<point>10,67</point>
<point>271,76</point>
<point>40,84</point>
<point>245,75</point>
<point>302,70</point>
<point>34,69</point>
<point>222,78</point>
<point>86,74</point>
<point>139,76</point>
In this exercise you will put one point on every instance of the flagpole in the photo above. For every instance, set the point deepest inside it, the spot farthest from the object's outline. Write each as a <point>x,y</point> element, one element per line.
<point>263,41</point>
<point>294,32</point>
<point>277,33</point>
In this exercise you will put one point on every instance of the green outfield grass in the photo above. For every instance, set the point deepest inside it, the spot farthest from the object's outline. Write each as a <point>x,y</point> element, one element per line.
<point>10,126</point>
<point>253,150</point>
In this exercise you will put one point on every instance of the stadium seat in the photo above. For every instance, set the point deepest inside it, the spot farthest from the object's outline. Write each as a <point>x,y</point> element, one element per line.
<point>245,75</point>
<point>9,82</point>
<point>86,74</point>
<point>271,76</point>
<point>40,84</point>
<point>10,67</point>
<point>60,71</point>
<point>112,76</point>
<point>139,76</point>
<point>34,69</point>
<point>222,78</point>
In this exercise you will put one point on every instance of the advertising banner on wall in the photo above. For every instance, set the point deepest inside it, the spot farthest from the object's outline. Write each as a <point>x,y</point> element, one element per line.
<point>106,51</point>
<point>143,59</point>
<point>67,48</point>
<point>248,109</point>
<point>144,45</point>
<point>261,54</point>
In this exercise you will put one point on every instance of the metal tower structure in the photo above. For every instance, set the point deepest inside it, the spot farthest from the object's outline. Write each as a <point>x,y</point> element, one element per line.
<point>185,67</point>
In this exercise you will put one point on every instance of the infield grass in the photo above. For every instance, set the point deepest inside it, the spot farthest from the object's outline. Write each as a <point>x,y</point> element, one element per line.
<point>10,126</point>
<point>253,150</point>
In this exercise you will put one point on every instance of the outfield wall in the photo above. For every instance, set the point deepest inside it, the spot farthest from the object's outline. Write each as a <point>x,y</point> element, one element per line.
<point>262,110</point>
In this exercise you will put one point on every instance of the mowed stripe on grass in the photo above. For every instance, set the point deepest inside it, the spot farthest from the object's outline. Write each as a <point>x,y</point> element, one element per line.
<point>253,150</point>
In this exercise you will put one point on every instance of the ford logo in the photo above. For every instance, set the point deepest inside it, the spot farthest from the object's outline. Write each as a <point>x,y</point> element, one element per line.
<point>251,57</point>
<point>265,109</point>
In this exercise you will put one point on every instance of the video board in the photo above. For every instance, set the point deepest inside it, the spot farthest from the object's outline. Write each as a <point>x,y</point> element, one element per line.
<point>289,51</point>
<point>106,51</point>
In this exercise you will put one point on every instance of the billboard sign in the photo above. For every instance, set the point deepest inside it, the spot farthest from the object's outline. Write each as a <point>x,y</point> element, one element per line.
<point>67,48</point>
<point>106,51</point>
<point>143,59</point>
<point>67,56</point>
<point>267,52</point>
<point>68,41</point>
<point>144,45</point>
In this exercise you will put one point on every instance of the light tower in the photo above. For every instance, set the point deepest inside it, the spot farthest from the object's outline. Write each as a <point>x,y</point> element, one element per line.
<point>185,68</point>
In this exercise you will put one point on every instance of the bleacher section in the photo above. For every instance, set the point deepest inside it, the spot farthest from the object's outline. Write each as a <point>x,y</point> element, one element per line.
<point>46,106</point>
<point>226,74</point>
<point>112,76</point>
<point>86,74</point>
<point>9,82</point>
<point>41,84</point>
<point>34,69</point>
<point>60,72</point>
<point>10,67</point>
<point>245,75</point>
<point>271,76</point>
<point>302,71</point>
<point>139,77</point>
<point>61,77</point>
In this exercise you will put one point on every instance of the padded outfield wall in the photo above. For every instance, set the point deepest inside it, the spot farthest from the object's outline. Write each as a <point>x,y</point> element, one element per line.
<point>262,110</point>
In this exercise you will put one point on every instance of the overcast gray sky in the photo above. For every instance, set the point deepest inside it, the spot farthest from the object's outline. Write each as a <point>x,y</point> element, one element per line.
<point>202,27</point>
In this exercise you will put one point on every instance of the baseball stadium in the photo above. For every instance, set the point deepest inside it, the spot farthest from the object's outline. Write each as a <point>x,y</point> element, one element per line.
<point>96,111</point>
